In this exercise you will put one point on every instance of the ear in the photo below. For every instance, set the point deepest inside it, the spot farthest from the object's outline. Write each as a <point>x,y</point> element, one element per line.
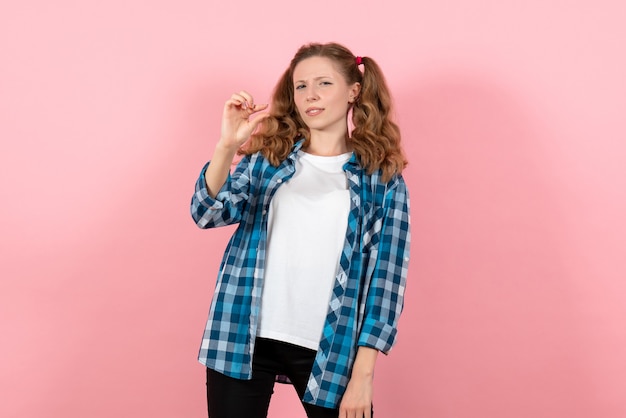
<point>355,89</point>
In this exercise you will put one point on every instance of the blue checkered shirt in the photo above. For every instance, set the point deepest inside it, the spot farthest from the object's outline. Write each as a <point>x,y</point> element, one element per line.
<point>368,291</point>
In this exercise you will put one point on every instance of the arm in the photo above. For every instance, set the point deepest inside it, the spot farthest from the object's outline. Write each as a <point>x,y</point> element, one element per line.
<point>207,209</point>
<point>387,281</point>
<point>217,172</point>
<point>384,302</point>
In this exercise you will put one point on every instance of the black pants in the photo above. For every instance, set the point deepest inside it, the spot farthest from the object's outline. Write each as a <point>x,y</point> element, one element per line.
<point>235,398</point>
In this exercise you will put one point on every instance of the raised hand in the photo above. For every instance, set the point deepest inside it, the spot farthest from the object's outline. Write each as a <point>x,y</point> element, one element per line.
<point>236,129</point>
<point>237,126</point>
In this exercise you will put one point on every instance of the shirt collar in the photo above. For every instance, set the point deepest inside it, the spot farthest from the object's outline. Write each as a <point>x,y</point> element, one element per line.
<point>352,163</point>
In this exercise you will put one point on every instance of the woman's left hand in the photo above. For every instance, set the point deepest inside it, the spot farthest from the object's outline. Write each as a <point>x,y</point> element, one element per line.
<point>357,400</point>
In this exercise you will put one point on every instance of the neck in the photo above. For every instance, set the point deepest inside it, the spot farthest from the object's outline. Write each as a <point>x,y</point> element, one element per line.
<point>327,145</point>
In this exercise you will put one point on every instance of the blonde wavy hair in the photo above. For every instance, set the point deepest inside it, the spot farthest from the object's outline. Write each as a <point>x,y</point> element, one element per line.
<point>375,138</point>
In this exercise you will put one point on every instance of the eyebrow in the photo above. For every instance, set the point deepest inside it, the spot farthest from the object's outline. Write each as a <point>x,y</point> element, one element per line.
<point>315,79</point>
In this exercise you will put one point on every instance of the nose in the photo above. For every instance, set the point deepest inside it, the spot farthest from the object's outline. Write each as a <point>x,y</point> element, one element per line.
<point>311,94</point>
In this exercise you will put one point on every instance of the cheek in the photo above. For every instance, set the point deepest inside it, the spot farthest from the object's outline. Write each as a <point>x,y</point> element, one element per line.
<point>301,103</point>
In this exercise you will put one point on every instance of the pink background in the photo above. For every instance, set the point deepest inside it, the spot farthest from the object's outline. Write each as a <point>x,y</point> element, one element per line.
<point>513,119</point>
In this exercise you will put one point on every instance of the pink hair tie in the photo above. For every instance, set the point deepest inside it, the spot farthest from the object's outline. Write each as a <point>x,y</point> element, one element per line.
<point>359,60</point>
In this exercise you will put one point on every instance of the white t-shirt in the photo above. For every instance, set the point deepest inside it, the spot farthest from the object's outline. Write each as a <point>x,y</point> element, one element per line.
<point>307,223</point>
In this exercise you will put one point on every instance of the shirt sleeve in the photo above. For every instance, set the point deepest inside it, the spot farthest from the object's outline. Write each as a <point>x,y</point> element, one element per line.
<point>227,206</point>
<point>385,295</point>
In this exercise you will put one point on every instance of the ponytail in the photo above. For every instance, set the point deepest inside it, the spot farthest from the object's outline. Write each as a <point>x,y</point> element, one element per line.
<point>376,137</point>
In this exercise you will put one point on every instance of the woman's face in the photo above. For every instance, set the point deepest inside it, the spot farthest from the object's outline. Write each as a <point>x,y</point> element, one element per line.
<point>322,95</point>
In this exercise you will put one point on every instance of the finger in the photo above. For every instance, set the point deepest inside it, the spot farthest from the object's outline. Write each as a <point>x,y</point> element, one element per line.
<point>235,100</point>
<point>248,100</point>
<point>258,108</point>
<point>242,97</point>
<point>367,413</point>
<point>258,119</point>
<point>345,413</point>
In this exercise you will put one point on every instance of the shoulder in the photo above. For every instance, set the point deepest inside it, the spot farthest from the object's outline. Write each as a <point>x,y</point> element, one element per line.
<point>251,161</point>
<point>258,157</point>
<point>380,193</point>
<point>378,183</point>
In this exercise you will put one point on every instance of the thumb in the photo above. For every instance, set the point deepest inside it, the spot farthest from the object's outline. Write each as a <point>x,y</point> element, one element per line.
<point>254,123</point>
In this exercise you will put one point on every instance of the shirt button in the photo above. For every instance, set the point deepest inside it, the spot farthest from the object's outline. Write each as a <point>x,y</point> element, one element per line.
<point>264,212</point>
<point>279,181</point>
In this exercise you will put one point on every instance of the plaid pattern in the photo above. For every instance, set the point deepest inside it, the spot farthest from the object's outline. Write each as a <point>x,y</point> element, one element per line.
<point>368,293</point>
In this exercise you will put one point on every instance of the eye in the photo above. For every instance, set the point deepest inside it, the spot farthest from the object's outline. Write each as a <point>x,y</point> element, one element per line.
<point>300,86</point>
<point>326,83</point>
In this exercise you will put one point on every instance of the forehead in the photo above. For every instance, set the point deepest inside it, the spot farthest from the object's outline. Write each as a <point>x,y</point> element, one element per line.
<point>314,67</point>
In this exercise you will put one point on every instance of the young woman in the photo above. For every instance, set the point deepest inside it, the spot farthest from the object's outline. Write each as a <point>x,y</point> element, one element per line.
<point>311,285</point>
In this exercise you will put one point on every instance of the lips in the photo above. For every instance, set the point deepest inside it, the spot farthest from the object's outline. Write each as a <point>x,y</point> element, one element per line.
<point>314,111</point>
